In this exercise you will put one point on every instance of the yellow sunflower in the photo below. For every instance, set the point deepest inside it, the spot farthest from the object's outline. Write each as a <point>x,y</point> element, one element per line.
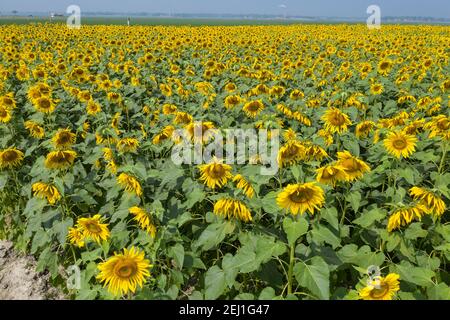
<point>63,139</point>
<point>381,288</point>
<point>10,158</point>
<point>5,114</point>
<point>215,174</point>
<point>253,108</point>
<point>124,272</point>
<point>232,101</point>
<point>376,88</point>
<point>244,185</point>
<point>44,104</point>
<point>36,131</point>
<point>432,203</point>
<point>60,159</point>
<point>76,237</point>
<point>127,145</point>
<point>144,220</point>
<point>299,198</point>
<point>353,166</point>
<point>93,108</point>
<point>199,131</point>
<point>331,174</point>
<point>230,208</point>
<point>336,121</point>
<point>404,216</point>
<point>400,144</point>
<point>290,153</point>
<point>364,128</point>
<point>93,228</point>
<point>43,190</point>
<point>130,184</point>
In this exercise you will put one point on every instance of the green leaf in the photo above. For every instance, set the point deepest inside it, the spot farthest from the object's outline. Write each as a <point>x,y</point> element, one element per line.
<point>416,275</point>
<point>295,228</point>
<point>368,218</point>
<point>177,253</point>
<point>354,198</point>
<point>322,234</point>
<point>415,231</point>
<point>193,197</point>
<point>213,235</point>
<point>267,293</point>
<point>215,283</point>
<point>314,276</point>
<point>439,292</point>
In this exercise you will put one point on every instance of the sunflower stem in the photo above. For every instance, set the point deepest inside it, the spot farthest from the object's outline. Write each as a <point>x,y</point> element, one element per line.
<point>444,154</point>
<point>291,267</point>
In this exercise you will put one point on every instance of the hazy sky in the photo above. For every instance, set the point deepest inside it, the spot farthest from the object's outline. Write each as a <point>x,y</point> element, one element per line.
<point>335,8</point>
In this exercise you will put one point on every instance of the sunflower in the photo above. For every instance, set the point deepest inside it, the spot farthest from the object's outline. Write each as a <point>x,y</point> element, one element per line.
<point>63,139</point>
<point>60,159</point>
<point>432,203</point>
<point>400,144</point>
<point>253,108</point>
<point>165,134</point>
<point>169,109</point>
<point>299,198</point>
<point>44,104</point>
<point>331,174</point>
<point>200,131</point>
<point>232,101</point>
<point>124,272</point>
<point>384,67</point>
<point>76,237</point>
<point>353,166</point>
<point>290,153</point>
<point>127,145</point>
<point>10,158</point>
<point>182,118</point>
<point>215,174</point>
<point>43,190</point>
<point>405,215</point>
<point>231,208</point>
<point>92,108</point>
<point>244,185</point>
<point>376,88</point>
<point>130,184</point>
<point>93,228</point>
<point>381,288</point>
<point>144,220</point>
<point>7,101</point>
<point>289,134</point>
<point>314,153</point>
<point>364,128</point>
<point>36,131</point>
<point>336,121</point>
<point>5,114</point>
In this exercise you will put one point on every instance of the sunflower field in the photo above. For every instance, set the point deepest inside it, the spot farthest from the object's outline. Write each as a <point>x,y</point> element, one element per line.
<point>357,210</point>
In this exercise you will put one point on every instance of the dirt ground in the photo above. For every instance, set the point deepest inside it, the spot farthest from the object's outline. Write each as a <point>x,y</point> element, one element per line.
<point>19,279</point>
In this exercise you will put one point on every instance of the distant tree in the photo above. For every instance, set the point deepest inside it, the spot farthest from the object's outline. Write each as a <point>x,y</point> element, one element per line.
<point>14,12</point>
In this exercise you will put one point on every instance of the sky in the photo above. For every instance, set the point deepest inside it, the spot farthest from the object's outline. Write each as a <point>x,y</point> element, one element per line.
<point>326,8</point>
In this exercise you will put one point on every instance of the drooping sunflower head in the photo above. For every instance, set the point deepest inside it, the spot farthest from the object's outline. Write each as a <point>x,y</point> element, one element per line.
<point>60,159</point>
<point>63,139</point>
<point>130,184</point>
<point>36,131</point>
<point>253,108</point>
<point>364,128</point>
<point>405,215</point>
<point>124,272</point>
<point>336,121</point>
<point>354,167</point>
<point>400,144</point>
<point>299,198</point>
<point>127,145</point>
<point>144,219</point>
<point>200,131</point>
<point>290,153</point>
<point>215,174</point>
<point>48,191</point>
<point>10,158</point>
<point>231,208</point>
<point>331,174</point>
<point>314,153</point>
<point>431,202</point>
<point>232,101</point>
<point>244,185</point>
<point>94,228</point>
<point>76,237</point>
<point>381,288</point>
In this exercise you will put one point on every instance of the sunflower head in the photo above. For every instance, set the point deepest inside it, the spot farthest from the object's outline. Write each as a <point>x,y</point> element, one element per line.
<point>331,174</point>
<point>48,191</point>
<point>124,272</point>
<point>5,114</point>
<point>381,288</point>
<point>144,219</point>
<point>231,208</point>
<point>93,228</point>
<point>253,108</point>
<point>400,144</point>
<point>290,153</point>
<point>63,139</point>
<point>10,158</point>
<point>127,145</point>
<point>354,167</point>
<point>299,198</point>
<point>336,121</point>
<point>130,184</point>
<point>430,201</point>
<point>44,104</point>
<point>76,237</point>
<point>60,159</point>
<point>215,174</point>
